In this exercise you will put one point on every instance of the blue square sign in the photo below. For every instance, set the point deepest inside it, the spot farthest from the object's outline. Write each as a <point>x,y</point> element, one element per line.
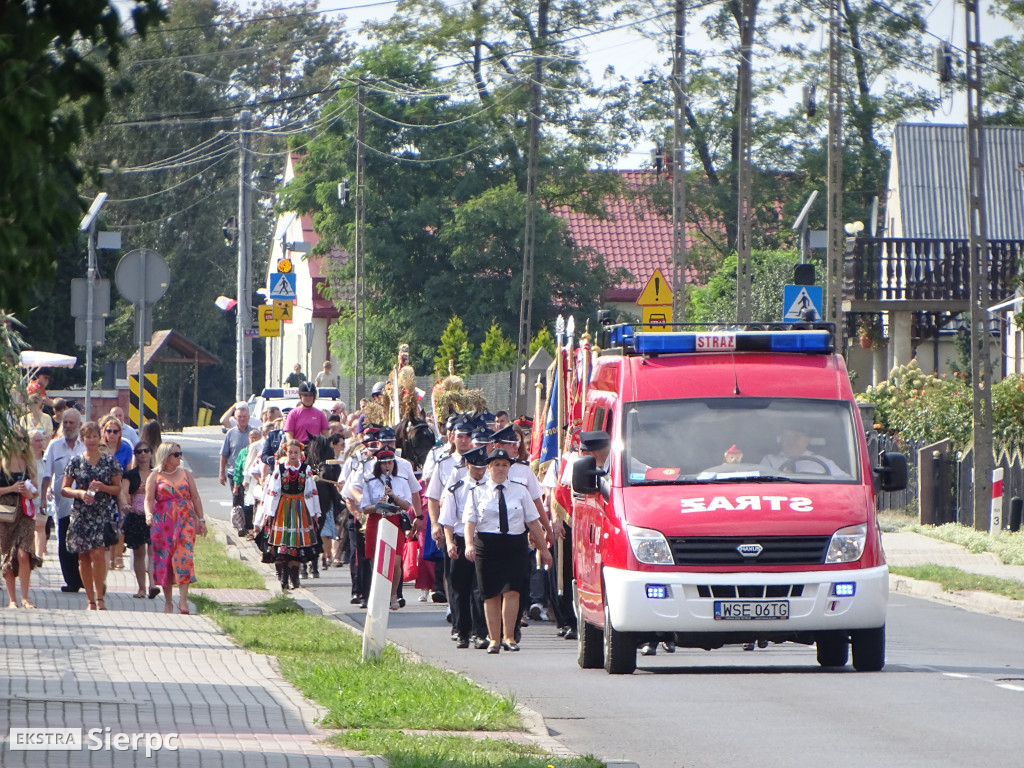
<point>282,286</point>
<point>797,299</point>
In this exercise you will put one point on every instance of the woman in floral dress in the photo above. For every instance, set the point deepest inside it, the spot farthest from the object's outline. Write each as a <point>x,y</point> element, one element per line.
<point>93,480</point>
<point>174,513</point>
<point>289,508</point>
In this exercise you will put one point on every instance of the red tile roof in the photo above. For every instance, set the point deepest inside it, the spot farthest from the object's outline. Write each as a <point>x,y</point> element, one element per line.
<point>633,237</point>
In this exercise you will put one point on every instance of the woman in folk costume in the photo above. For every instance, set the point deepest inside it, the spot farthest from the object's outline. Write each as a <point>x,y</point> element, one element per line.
<point>290,507</point>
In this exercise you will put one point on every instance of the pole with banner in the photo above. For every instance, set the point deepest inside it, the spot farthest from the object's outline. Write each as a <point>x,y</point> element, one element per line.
<point>378,606</point>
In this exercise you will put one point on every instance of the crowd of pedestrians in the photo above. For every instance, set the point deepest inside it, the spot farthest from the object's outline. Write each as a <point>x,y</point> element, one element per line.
<point>107,488</point>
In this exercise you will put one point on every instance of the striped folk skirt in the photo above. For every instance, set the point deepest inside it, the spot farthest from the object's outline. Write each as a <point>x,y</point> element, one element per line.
<point>292,536</point>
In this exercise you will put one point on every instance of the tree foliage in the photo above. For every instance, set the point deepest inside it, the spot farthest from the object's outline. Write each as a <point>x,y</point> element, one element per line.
<point>454,352</point>
<point>497,353</point>
<point>167,155</point>
<point>54,56</point>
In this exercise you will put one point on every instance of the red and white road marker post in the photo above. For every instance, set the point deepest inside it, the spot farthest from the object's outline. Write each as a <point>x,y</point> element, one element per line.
<point>378,607</point>
<point>996,521</point>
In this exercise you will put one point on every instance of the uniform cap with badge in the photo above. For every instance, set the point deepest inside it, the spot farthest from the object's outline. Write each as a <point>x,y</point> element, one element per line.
<point>483,437</point>
<point>476,457</point>
<point>499,454</point>
<point>506,435</point>
<point>594,441</point>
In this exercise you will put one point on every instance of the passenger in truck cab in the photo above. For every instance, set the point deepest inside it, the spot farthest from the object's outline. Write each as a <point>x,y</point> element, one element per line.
<point>796,456</point>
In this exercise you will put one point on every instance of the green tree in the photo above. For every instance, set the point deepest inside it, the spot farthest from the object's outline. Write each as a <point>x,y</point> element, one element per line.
<point>53,81</point>
<point>497,353</point>
<point>543,338</point>
<point>444,204</point>
<point>716,300</point>
<point>454,348</point>
<point>169,161</point>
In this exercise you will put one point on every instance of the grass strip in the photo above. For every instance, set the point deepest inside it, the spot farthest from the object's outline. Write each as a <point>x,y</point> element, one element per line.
<point>215,570</point>
<point>323,660</point>
<point>446,751</point>
<point>955,580</point>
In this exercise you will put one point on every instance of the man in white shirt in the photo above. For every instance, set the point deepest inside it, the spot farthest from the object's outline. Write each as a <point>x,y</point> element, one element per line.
<point>58,453</point>
<point>127,430</point>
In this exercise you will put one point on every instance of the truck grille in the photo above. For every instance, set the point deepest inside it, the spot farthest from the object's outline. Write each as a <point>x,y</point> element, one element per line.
<point>776,550</point>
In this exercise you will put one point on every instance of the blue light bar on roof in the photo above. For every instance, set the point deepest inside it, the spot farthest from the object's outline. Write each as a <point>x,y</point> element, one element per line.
<point>655,343</point>
<point>324,393</point>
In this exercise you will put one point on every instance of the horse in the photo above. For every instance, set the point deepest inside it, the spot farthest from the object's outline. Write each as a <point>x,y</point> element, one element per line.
<point>415,439</point>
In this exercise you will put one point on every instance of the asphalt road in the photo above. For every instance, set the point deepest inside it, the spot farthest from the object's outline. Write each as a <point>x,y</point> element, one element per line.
<point>951,694</point>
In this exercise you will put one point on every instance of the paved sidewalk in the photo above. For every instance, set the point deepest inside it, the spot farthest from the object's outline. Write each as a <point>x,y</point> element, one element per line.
<point>910,549</point>
<point>135,670</point>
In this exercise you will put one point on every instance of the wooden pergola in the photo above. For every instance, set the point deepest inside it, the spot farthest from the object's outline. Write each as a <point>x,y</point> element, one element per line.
<point>171,348</point>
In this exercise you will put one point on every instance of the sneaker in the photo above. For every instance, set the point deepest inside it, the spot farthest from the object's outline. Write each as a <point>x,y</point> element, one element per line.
<point>535,611</point>
<point>748,646</point>
<point>669,646</point>
<point>424,596</point>
<point>544,615</point>
<point>648,649</point>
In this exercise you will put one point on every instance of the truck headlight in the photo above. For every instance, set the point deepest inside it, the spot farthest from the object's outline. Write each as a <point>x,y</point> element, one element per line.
<point>650,547</point>
<point>847,544</point>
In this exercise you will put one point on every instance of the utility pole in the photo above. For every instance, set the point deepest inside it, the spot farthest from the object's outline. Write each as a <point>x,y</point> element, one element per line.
<point>836,238</point>
<point>243,343</point>
<point>744,260</point>
<point>89,225</point>
<point>519,397</point>
<point>679,165</point>
<point>977,222</point>
<point>359,307</point>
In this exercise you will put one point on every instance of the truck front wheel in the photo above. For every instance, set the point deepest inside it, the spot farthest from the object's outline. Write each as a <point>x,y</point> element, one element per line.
<point>589,652</point>
<point>619,648</point>
<point>833,649</point>
<point>868,649</point>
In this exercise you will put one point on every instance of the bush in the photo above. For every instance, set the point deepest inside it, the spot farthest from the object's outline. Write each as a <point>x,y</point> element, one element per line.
<point>914,405</point>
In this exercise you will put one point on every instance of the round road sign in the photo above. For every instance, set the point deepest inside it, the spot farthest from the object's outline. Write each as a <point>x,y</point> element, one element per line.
<point>142,276</point>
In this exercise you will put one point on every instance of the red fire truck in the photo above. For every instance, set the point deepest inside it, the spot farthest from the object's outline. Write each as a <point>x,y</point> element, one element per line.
<point>737,503</point>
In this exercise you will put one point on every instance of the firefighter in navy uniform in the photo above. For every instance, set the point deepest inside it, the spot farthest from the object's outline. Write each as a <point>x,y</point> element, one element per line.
<point>464,598</point>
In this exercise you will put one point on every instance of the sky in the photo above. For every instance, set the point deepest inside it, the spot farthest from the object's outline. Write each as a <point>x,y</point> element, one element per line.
<point>631,54</point>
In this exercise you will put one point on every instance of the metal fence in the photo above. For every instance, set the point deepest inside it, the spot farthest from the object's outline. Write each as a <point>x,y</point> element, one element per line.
<point>1012,463</point>
<point>897,500</point>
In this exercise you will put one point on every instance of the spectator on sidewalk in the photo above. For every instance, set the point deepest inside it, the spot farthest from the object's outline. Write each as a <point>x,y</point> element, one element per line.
<point>93,481</point>
<point>174,513</point>
<point>17,538</point>
<point>150,433</point>
<point>127,430</point>
<point>296,377</point>
<point>55,462</point>
<point>36,418</point>
<point>133,510</point>
<point>235,440</point>
<point>115,445</point>
<point>327,377</point>
<point>43,522</point>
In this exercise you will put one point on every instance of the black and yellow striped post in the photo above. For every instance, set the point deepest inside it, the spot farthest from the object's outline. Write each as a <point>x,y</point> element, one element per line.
<point>151,410</point>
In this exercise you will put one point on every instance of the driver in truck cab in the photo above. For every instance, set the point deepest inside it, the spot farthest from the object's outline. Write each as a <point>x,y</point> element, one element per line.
<point>796,455</point>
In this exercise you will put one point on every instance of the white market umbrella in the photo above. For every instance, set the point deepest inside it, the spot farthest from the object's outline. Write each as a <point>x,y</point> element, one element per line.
<point>32,359</point>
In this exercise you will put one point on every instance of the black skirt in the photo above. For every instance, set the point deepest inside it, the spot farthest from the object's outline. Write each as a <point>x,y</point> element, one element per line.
<point>136,532</point>
<point>500,562</point>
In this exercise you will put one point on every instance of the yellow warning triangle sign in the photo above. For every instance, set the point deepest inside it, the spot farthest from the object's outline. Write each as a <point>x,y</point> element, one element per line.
<point>657,292</point>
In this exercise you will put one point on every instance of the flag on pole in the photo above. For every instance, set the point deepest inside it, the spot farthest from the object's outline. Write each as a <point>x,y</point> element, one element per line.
<point>225,304</point>
<point>549,448</point>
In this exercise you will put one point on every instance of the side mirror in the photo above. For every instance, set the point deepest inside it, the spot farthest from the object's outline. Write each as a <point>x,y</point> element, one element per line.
<point>892,474</point>
<point>585,476</point>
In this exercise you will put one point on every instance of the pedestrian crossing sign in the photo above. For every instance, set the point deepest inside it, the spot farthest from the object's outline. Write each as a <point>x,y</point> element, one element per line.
<point>797,300</point>
<point>282,286</point>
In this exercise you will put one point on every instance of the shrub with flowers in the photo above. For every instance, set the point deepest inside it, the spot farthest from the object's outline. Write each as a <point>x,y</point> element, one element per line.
<point>915,405</point>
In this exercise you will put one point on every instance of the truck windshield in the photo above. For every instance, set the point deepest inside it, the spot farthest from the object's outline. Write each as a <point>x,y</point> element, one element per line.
<point>736,439</point>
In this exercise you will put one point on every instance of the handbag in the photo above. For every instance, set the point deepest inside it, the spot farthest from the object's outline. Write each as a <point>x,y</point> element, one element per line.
<point>9,506</point>
<point>431,551</point>
<point>238,518</point>
<point>410,560</point>
<point>110,533</point>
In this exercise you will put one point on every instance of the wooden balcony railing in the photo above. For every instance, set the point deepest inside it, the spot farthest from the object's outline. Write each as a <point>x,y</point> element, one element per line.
<point>923,271</point>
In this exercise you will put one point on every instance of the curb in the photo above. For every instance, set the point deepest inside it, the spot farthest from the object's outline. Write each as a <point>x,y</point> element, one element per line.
<point>979,602</point>
<point>532,720</point>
